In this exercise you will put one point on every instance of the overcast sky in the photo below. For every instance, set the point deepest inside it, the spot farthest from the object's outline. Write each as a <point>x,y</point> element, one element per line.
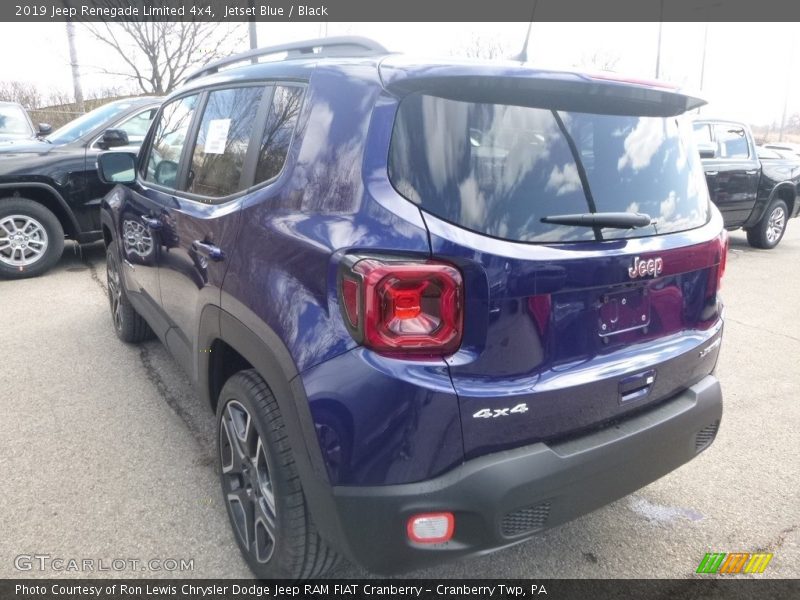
<point>749,69</point>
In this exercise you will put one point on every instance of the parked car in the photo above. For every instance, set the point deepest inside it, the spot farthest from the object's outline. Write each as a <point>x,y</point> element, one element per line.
<point>16,124</point>
<point>785,147</point>
<point>49,187</point>
<point>437,307</point>
<point>752,194</point>
<point>775,154</point>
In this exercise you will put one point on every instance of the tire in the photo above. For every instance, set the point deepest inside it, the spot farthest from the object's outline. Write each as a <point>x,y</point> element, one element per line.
<point>768,232</point>
<point>261,488</point>
<point>129,325</point>
<point>31,238</point>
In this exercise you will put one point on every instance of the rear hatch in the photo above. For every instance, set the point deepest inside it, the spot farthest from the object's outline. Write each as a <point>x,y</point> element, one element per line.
<point>568,326</point>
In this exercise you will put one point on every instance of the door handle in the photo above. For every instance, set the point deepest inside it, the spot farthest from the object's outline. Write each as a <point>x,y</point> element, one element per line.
<point>208,250</point>
<point>753,172</point>
<point>151,222</point>
<point>712,173</point>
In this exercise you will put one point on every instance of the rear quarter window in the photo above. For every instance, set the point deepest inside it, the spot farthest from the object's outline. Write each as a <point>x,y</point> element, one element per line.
<point>499,169</point>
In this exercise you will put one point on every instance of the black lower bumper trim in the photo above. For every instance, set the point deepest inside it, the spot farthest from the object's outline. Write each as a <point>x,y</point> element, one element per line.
<point>503,498</point>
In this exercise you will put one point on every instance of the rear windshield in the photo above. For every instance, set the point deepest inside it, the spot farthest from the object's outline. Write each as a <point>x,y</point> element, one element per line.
<point>499,169</point>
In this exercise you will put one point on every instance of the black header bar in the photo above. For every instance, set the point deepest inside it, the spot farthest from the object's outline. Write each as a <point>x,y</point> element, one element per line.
<point>399,10</point>
<point>701,587</point>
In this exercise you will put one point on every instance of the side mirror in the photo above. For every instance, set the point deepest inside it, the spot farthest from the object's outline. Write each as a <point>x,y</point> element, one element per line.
<point>116,167</point>
<point>44,129</point>
<point>707,149</point>
<point>112,138</point>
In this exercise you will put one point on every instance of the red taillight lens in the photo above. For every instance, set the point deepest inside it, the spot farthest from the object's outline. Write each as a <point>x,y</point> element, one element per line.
<point>723,259</point>
<point>413,308</point>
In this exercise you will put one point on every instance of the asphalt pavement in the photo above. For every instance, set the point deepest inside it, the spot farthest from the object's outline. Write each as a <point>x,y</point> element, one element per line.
<point>106,454</point>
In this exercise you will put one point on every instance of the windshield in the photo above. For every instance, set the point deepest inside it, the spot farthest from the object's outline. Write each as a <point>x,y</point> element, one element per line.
<point>14,121</point>
<point>499,169</point>
<point>88,122</point>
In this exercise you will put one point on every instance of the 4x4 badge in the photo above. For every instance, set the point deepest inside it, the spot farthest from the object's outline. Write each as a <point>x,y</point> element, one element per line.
<point>641,267</point>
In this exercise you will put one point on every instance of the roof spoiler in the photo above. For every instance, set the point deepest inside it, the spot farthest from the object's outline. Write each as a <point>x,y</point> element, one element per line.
<point>524,86</point>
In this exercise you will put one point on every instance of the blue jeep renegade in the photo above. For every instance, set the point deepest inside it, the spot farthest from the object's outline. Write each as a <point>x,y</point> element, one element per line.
<point>437,306</point>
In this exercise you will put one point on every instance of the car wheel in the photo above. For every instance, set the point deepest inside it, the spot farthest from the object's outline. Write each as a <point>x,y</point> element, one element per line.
<point>260,485</point>
<point>129,325</point>
<point>31,238</point>
<point>769,231</point>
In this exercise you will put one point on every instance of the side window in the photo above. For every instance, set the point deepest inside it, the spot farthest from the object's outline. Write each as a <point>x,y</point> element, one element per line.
<point>222,140</point>
<point>278,132</point>
<point>732,141</point>
<point>702,133</point>
<point>170,137</point>
<point>136,126</point>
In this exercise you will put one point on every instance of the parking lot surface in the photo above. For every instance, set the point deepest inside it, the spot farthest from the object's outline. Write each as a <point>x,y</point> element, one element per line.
<point>106,453</point>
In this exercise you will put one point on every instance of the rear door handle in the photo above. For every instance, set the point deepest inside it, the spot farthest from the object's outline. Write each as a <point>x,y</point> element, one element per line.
<point>208,250</point>
<point>753,172</point>
<point>712,173</point>
<point>151,222</point>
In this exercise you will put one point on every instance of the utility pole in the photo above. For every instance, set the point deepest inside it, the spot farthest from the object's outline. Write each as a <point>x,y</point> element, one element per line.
<point>788,90</point>
<point>703,62</point>
<point>73,61</point>
<point>252,28</point>
<point>253,35</point>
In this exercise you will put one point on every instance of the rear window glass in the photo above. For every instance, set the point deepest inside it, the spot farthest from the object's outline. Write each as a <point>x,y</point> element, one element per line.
<point>278,132</point>
<point>499,169</point>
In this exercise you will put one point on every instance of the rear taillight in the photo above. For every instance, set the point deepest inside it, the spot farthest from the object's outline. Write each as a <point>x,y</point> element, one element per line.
<point>403,308</point>
<point>723,259</point>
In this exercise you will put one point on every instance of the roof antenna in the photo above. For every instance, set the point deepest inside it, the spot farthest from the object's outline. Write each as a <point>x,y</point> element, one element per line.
<point>523,55</point>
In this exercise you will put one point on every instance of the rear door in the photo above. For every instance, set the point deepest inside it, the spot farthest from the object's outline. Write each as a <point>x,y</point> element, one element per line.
<point>735,172</point>
<point>566,327</point>
<point>202,219</point>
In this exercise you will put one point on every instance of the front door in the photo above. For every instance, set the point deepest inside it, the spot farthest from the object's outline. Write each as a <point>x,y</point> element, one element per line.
<point>145,236</point>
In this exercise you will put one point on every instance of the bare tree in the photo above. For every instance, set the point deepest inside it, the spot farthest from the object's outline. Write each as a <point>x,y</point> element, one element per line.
<point>26,94</point>
<point>599,60</point>
<point>483,46</point>
<point>158,55</point>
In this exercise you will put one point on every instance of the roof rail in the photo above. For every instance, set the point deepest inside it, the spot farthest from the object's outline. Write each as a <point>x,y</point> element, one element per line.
<point>320,47</point>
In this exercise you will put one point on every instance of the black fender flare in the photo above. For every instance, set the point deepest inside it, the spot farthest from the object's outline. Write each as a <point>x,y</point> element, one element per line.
<point>763,205</point>
<point>51,190</point>
<point>271,359</point>
<point>106,220</point>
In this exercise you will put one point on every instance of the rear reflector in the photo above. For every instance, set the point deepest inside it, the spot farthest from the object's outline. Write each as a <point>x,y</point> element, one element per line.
<point>431,528</point>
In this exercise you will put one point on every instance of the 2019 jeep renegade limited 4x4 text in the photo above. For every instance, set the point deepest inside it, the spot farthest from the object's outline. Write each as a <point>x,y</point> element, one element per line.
<point>436,306</point>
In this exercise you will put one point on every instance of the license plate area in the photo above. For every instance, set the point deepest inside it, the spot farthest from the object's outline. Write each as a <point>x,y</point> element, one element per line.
<point>623,311</point>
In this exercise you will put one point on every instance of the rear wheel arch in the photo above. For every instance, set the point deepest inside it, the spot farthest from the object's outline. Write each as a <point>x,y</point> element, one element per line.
<point>788,193</point>
<point>48,197</point>
<point>237,346</point>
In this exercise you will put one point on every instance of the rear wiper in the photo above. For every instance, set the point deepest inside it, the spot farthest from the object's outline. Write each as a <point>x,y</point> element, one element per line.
<point>616,220</point>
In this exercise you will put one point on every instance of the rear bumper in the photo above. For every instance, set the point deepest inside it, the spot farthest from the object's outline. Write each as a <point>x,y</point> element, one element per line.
<point>504,498</point>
